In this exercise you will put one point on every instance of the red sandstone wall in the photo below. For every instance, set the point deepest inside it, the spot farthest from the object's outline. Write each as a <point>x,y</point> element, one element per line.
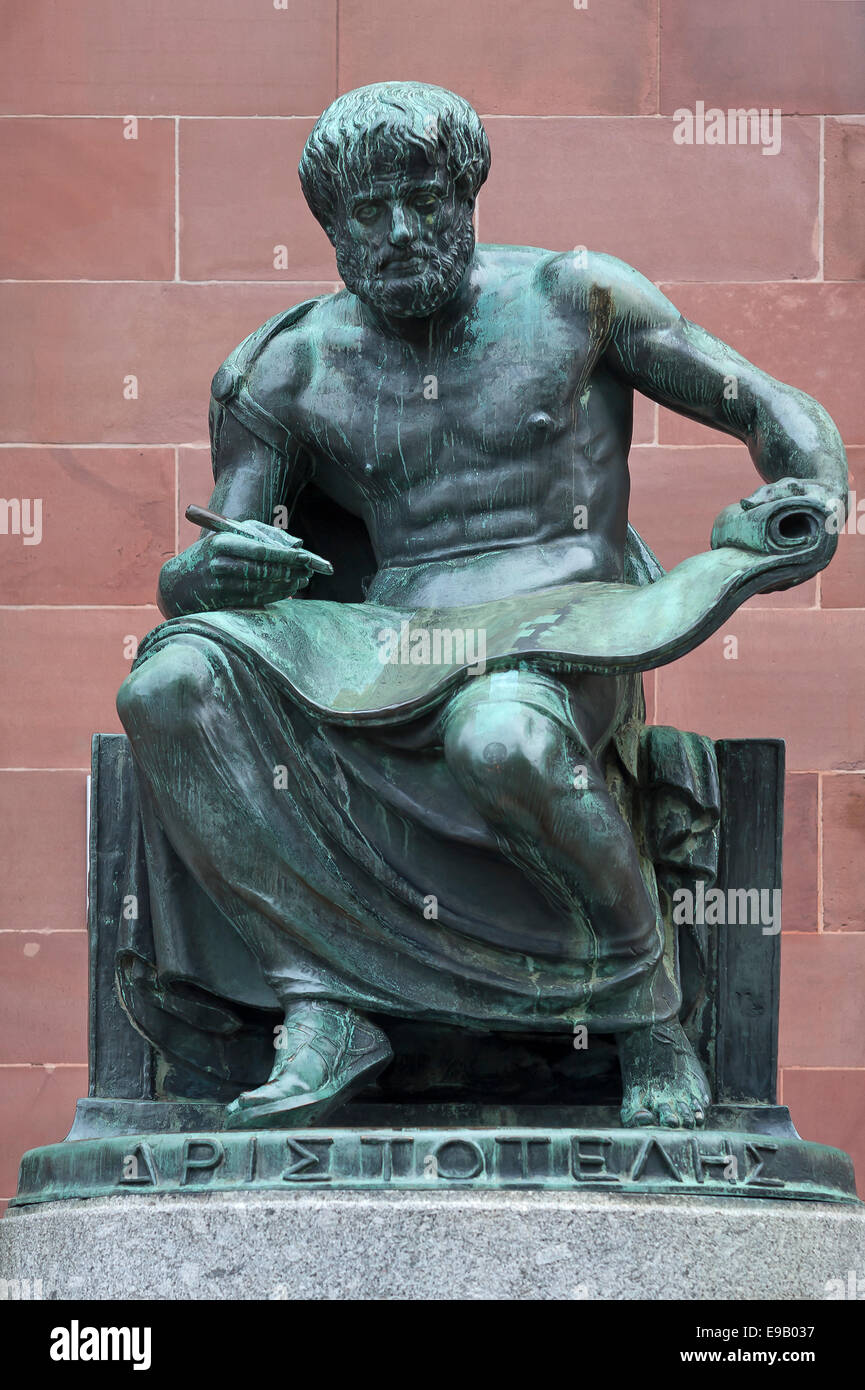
<point>150,257</point>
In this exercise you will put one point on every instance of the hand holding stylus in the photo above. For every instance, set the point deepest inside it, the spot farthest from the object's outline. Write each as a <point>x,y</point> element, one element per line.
<point>237,564</point>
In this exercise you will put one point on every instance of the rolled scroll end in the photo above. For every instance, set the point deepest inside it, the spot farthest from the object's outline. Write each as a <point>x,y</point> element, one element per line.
<point>801,530</point>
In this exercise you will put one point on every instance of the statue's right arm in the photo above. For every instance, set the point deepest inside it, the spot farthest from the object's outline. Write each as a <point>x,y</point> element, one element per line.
<point>226,571</point>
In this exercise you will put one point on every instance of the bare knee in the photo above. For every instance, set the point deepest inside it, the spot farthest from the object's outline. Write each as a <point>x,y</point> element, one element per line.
<point>505,750</point>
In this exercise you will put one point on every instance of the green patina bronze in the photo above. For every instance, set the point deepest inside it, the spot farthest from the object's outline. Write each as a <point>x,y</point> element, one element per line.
<point>707,1163</point>
<point>392,763</point>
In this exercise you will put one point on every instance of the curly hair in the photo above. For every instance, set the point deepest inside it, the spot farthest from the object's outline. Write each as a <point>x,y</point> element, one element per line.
<point>385,119</point>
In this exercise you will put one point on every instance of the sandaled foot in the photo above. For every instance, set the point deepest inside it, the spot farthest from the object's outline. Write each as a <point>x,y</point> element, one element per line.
<point>663,1083</point>
<point>325,1054</point>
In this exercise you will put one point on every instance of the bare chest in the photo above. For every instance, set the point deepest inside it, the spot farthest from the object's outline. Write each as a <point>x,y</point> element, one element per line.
<point>396,415</point>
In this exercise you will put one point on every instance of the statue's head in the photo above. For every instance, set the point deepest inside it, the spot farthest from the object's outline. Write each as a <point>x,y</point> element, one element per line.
<point>392,171</point>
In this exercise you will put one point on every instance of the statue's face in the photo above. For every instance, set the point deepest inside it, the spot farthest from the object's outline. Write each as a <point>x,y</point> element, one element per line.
<point>403,237</point>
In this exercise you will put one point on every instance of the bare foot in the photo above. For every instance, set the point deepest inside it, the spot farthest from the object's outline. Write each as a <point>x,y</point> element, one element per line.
<point>663,1083</point>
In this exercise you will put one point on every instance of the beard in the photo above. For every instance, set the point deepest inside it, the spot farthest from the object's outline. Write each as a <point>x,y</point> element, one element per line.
<point>417,294</point>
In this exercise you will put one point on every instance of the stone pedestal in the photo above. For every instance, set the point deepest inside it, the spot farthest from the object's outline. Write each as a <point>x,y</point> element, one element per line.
<point>432,1245</point>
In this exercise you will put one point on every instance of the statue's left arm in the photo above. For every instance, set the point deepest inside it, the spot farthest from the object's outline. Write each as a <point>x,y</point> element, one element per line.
<point>790,437</point>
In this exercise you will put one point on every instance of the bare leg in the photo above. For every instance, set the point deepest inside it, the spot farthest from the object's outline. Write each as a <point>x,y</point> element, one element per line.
<point>541,788</point>
<point>517,765</point>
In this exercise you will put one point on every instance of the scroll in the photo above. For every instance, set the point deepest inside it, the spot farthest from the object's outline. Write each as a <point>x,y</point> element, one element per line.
<point>368,664</point>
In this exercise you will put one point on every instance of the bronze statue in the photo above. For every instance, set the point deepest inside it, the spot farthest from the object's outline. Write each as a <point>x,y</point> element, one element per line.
<point>415,785</point>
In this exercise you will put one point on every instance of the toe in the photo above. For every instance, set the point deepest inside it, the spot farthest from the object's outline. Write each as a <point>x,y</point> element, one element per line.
<point>637,1113</point>
<point>668,1117</point>
<point>632,1104</point>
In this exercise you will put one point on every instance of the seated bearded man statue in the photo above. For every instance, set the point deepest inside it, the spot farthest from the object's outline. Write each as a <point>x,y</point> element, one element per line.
<point>416,805</point>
